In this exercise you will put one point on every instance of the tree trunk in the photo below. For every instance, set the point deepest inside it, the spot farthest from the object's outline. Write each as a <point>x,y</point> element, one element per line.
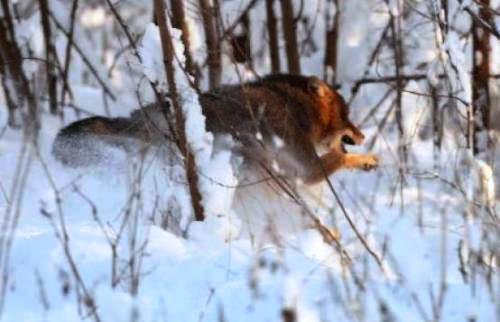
<point>179,22</point>
<point>67,56</point>
<point>444,24</point>
<point>168,60</point>
<point>50,56</point>
<point>397,43</point>
<point>332,35</point>
<point>240,41</point>
<point>11,56</point>
<point>290,33</point>
<point>272,32</point>
<point>212,42</point>
<point>11,106</point>
<point>481,55</point>
<point>437,124</point>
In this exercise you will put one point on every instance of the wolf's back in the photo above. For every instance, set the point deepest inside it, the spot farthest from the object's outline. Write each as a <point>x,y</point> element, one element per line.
<point>283,106</point>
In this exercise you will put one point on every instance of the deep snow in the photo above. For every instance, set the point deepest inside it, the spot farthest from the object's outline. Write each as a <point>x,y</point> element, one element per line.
<point>253,257</point>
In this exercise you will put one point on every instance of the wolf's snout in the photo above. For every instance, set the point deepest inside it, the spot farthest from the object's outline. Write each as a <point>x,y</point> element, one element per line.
<point>360,138</point>
<point>353,136</point>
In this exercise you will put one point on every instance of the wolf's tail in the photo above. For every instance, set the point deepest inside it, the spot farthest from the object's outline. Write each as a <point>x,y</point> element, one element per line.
<point>83,142</point>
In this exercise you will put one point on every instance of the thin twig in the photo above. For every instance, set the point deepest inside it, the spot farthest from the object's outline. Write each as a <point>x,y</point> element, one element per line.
<point>84,58</point>
<point>67,57</point>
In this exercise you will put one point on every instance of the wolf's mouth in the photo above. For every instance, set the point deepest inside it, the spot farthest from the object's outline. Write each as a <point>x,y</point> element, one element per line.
<point>346,140</point>
<point>338,142</point>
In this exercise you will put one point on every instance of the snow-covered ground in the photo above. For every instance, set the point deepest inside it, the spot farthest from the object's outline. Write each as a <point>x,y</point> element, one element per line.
<point>213,271</point>
<point>114,243</point>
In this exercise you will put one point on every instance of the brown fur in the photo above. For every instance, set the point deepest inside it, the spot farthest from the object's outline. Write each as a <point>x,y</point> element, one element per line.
<point>302,112</point>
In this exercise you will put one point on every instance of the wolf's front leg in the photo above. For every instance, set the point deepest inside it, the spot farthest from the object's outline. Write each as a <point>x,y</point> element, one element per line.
<point>360,161</point>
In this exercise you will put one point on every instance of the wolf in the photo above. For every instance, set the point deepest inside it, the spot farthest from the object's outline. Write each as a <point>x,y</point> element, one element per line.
<point>277,122</point>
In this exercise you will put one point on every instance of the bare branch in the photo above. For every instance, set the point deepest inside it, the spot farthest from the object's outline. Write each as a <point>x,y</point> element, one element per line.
<point>289,31</point>
<point>168,60</point>
<point>87,62</point>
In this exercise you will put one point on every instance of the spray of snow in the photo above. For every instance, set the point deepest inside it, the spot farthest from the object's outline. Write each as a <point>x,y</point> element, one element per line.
<point>216,178</point>
<point>485,184</point>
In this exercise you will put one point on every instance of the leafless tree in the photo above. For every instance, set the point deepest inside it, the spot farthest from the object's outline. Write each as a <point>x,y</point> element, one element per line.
<point>50,56</point>
<point>481,56</point>
<point>289,28</point>
<point>272,32</point>
<point>168,60</point>
<point>212,42</point>
<point>240,41</point>
<point>331,39</point>
<point>397,43</point>
<point>179,22</point>
<point>21,93</point>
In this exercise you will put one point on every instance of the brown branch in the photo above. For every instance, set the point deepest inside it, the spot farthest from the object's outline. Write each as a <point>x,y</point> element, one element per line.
<point>11,55</point>
<point>159,96</point>
<point>331,40</point>
<point>290,34</point>
<point>393,78</point>
<point>85,59</point>
<point>462,101</point>
<point>437,119</point>
<point>375,108</point>
<point>212,42</point>
<point>229,30</point>
<point>481,57</point>
<point>67,56</point>
<point>8,19</point>
<point>388,79</point>
<point>490,9</point>
<point>373,56</point>
<point>168,60</point>
<point>11,105</point>
<point>50,56</point>
<point>272,32</point>
<point>395,26</point>
<point>61,232</point>
<point>299,13</point>
<point>353,226</point>
<point>179,22</point>
<point>485,24</point>
<point>124,27</point>
<point>11,215</point>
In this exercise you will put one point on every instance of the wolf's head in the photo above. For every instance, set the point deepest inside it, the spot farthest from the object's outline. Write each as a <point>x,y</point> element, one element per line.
<point>333,113</point>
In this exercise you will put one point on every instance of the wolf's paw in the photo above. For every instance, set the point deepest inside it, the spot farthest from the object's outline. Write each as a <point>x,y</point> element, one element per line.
<point>370,162</point>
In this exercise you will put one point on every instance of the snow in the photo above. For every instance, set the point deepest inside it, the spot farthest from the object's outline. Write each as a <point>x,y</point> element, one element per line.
<point>208,274</point>
<point>214,166</point>
<point>93,17</point>
<point>256,255</point>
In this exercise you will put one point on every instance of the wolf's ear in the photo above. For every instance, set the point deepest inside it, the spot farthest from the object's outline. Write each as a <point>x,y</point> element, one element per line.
<point>316,86</point>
